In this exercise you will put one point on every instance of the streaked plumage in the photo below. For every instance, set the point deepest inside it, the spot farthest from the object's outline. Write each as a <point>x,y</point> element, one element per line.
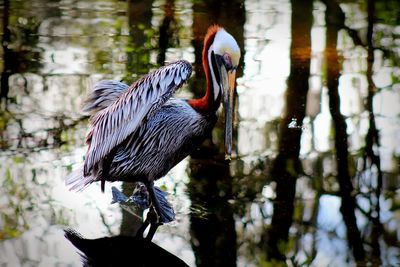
<point>177,127</point>
<point>138,133</point>
<point>112,125</point>
<point>103,94</point>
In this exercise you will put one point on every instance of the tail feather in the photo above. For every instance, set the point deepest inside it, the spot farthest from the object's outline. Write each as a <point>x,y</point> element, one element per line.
<point>76,181</point>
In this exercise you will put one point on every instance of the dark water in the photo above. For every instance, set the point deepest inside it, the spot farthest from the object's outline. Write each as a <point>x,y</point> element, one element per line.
<point>314,180</point>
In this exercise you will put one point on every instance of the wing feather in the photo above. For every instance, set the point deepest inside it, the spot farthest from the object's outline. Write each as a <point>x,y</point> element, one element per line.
<point>103,94</point>
<point>112,125</point>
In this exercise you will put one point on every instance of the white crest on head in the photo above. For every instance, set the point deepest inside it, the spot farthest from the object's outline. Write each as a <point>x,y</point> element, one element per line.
<point>225,43</point>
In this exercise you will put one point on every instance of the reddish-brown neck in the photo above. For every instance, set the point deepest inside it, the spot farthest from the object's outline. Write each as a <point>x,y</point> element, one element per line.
<point>207,102</point>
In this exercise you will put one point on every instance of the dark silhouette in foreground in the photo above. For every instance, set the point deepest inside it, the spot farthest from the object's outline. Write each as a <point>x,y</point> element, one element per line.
<point>121,251</point>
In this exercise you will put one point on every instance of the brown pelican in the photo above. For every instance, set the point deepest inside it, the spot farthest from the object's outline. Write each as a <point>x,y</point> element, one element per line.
<point>139,132</point>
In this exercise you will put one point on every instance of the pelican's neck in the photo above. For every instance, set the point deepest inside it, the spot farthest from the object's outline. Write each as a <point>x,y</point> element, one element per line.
<point>210,102</point>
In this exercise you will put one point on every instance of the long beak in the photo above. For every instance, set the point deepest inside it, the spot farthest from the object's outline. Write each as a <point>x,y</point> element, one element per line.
<point>229,87</point>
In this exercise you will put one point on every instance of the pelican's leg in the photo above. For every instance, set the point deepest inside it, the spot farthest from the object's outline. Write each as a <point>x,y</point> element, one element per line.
<point>154,202</point>
<point>154,223</point>
<point>152,220</point>
<point>153,216</point>
<point>160,210</point>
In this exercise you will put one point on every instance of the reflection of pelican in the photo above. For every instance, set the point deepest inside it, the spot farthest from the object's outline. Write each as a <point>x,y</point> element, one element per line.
<point>121,251</point>
<point>138,133</point>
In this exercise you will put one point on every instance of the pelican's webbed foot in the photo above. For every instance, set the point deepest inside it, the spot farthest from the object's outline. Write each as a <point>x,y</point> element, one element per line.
<point>165,211</point>
<point>143,197</point>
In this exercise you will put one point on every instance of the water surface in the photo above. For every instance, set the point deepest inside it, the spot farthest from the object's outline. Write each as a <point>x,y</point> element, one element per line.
<point>316,130</point>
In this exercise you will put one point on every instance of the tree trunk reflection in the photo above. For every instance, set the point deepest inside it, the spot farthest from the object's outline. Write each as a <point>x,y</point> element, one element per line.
<point>287,166</point>
<point>6,38</point>
<point>165,31</point>
<point>213,234</point>
<point>346,188</point>
<point>371,158</point>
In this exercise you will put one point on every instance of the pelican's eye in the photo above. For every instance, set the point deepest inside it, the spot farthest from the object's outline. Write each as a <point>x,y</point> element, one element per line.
<point>227,61</point>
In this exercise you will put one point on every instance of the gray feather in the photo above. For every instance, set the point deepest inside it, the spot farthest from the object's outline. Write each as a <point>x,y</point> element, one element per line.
<point>154,148</point>
<point>102,95</point>
<point>112,125</point>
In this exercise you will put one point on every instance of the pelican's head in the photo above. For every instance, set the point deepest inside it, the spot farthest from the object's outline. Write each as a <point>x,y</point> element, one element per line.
<point>223,58</point>
<point>226,50</point>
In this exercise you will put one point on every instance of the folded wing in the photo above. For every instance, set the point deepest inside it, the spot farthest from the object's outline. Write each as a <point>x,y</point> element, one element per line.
<point>112,125</point>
